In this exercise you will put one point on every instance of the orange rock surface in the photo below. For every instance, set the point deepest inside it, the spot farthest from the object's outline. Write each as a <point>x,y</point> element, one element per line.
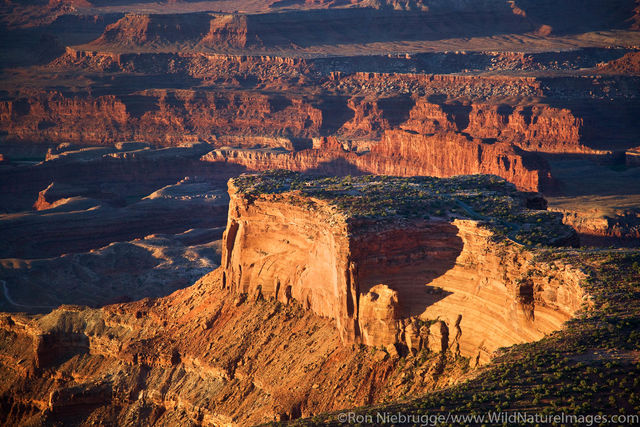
<point>404,154</point>
<point>381,282</point>
<point>263,337</point>
<point>163,117</point>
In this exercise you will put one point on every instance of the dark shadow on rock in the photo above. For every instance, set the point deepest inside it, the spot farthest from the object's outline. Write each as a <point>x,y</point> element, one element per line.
<point>54,348</point>
<point>576,16</point>
<point>138,105</point>
<point>368,25</point>
<point>459,112</point>
<point>607,124</point>
<point>407,261</point>
<point>279,102</point>
<point>335,113</point>
<point>607,241</point>
<point>336,167</point>
<point>396,109</point>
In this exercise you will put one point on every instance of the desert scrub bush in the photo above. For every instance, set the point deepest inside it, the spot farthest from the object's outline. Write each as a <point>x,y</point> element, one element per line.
<point>482,197</point>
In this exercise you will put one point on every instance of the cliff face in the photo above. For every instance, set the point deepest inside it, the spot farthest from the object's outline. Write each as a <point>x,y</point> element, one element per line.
<point>317,272</point>
<point>263,337</point>
<point>404,137</point>
<point>168,116</point>
<point>416,284</point>
<point>307,28</point>
<point>536,127</point>
<point>164,117</point>
<point>200,356</point>
<point>139,30</point>
<point>503,290</point>
<point>229,31</point>
<point>403,154</point>
<point>621,228</point>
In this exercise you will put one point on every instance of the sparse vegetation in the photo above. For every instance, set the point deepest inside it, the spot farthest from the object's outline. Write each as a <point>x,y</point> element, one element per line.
<point>590,367</point>
<point>487,198</point>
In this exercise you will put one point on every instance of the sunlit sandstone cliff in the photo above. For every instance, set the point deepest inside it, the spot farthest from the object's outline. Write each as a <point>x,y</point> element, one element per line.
<point>171,117</point>
<point>444,282</point>
<point>401,153</point>
<point>405,135</point>
<point>427,268</point>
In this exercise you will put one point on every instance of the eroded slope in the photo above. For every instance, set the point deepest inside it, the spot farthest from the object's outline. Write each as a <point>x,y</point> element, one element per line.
<point>245,343</point>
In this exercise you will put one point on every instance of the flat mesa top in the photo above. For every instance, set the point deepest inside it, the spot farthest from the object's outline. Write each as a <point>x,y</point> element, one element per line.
<point>486,198</point>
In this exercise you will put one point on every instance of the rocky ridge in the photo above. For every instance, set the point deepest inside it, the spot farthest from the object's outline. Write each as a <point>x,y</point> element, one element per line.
<point>246,341</point>
<point>382,262</point>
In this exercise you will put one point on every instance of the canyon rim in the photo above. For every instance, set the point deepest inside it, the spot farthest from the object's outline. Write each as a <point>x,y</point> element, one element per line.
<point>314,212</point>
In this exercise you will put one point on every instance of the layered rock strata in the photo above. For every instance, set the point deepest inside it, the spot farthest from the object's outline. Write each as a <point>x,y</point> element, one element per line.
<point>622,228</point>
<point>70,220</point>
<point>427,268</point>
<point>444,282</point>
<point>201,356</point>
<point>306,28</point>
<point>171,118</point>
<point>401,153</point>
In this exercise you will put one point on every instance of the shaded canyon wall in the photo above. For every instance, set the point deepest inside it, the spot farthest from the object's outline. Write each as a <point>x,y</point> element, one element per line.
<point>419,284</point>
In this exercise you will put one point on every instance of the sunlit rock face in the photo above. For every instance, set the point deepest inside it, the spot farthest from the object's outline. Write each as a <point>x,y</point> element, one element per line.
<point>443,282</point>
<point>310,269</point>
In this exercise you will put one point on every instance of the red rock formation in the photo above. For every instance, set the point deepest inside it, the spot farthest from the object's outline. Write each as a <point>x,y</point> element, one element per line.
<point>173,117</point>
<point>307,28</point>
<point>149,30</point>
<point>163,117</point>
<point>429,118</point>
<point>368,119</point>
<point>622,229</point>
<point>379,281</point>
<point>429,286</point>
<point>53,195</point>
<point>454,86</point>
<point>228,31</point>
<point>535,128</point>
<point>240,362</point>
<point>403,154</point>
<point>628,64</point>
<point>378,313</point>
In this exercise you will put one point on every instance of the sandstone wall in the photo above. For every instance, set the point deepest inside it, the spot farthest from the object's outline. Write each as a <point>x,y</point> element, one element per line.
<point>623,227</point>
<point>497,295</point>
<point>157,116</point>
<point>414,284</point>
<point>286,250</point>
<point>171,117</point>
<point>307,28</point>
<point>403,154</point>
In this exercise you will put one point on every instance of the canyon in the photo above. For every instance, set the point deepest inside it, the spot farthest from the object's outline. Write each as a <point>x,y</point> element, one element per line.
<point>380,280</point>
<point>267,211</point>
<point>290,271</point>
